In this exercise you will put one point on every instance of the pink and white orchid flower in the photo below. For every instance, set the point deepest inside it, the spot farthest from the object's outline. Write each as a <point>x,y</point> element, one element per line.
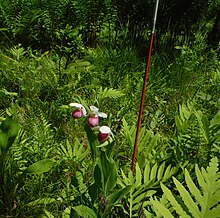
<point>94,115</point>
<point>78,111</point>
<point>104,133</point>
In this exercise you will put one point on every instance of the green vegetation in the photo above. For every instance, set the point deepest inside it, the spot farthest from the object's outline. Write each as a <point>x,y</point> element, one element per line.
<point>53,53</point>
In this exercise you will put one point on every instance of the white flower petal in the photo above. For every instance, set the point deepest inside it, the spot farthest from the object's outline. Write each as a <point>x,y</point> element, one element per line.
<point>76,105</point>
<point>105,129</point>
<point>101,114</point>
<point>83,111</point>
<point>94,109</point>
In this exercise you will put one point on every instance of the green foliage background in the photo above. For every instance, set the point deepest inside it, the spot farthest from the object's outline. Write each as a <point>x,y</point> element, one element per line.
<point>93,52</point>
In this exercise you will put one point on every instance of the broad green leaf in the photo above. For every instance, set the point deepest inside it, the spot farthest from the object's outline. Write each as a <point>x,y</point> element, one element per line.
<point>98,176</point>
<point>41,166</point>
<point>94,191</point>
<point>108,169</point>
<point>85,211</point>
<point>92,138</point>
<point>111,179</point>
<point>117,195</point>
<point>10,128</point>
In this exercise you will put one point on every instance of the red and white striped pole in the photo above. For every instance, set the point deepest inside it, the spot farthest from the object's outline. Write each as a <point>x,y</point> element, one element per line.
<point>144,87</point>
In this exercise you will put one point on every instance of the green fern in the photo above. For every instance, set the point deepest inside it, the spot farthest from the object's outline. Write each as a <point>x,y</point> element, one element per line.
<point>184,117</point>
<point>108,93</point>
<point>76,151</point>
<point>39,140</point>
<point>148,144</point>
<point>19,151</point>
<point>203,202</point>
<point>142,184</point>
<point>197,135</point>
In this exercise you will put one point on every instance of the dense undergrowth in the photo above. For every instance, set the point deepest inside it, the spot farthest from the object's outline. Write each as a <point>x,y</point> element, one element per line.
<point>53,165</point>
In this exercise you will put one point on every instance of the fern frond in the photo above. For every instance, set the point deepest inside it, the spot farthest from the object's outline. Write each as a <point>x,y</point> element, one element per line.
<point>108,93</point>
<point>192,207</point>
<point>198,202</point>
<point>148,141</point>
<point>160,209</point>
<point>73,152</point>
<point>142,183</point>
<point>174,202</point>
<point>20,152</point>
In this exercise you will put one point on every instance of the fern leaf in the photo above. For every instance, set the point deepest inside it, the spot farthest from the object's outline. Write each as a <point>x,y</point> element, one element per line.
<point>203,202</point>
<point>200,178</point>
<point>212,186</point>
<point>174,202</point>
<point>128,132</point>
<point>192,188</point>
<point>161,209</point>
<point>109,93</point>
<point>147,172</point>
<point>138,175</point>
<point>160,171</point>
<point>215,213</point>
<point>194,210</point>
<point>153,174</point>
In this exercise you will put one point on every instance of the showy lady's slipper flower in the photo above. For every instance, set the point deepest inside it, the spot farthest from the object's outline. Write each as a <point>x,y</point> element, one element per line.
<point>78,111</point>
<point>104,133</point>
<point>94,115</point>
